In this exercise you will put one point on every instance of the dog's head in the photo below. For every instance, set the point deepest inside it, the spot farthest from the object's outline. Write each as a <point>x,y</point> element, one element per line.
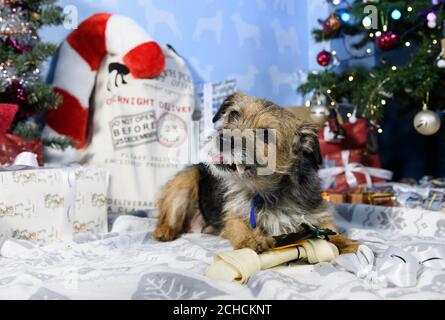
<point>261,142</point>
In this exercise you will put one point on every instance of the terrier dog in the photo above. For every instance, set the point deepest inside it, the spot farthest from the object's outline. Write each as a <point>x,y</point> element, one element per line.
<point>250,202</point>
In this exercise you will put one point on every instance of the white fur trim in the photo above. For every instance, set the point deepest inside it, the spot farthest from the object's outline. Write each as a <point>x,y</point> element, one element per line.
<point>123,34</point>
<point>74,75</point>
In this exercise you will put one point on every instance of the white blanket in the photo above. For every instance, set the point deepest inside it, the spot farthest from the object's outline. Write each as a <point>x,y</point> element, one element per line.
<point>128,264</point>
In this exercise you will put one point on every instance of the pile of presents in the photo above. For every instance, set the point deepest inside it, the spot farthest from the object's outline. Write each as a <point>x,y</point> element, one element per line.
<point>352,171</point>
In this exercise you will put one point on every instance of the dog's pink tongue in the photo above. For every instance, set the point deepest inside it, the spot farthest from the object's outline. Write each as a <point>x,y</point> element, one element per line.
<point>217,158</point>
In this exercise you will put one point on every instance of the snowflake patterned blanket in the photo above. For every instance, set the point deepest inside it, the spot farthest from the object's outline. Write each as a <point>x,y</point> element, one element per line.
<point>128,264</point>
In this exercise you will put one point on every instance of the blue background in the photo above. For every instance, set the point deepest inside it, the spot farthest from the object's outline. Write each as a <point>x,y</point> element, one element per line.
<point>216,53</point>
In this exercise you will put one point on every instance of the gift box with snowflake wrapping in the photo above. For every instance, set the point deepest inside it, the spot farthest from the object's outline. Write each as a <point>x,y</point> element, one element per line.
<point>49,204</point>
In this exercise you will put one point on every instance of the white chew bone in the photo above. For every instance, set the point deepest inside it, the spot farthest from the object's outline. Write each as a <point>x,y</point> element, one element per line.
<point>238,265</point>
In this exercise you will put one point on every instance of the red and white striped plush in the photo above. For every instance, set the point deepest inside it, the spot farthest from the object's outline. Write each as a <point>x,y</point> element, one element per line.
<point>80,57</point>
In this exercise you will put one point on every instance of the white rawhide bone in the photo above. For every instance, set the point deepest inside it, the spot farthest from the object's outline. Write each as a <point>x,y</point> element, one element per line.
<point>238,265</point>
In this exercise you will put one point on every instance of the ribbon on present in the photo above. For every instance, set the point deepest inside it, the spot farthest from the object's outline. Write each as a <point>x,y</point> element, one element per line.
<point>328,175</point>
<point>24,160</point>
<point>397,268</point>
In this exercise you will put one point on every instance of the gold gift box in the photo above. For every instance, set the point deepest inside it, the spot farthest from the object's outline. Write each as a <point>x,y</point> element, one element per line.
<point>358,197</point>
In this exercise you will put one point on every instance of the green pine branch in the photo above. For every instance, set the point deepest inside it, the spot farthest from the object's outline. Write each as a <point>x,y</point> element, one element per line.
<point>42,97</point>
<point>412,27</point>
<point>407,83</point>
<point>30,60</point>
<point>60,143</point>
<point>49,16</point>
<point>27,130</point>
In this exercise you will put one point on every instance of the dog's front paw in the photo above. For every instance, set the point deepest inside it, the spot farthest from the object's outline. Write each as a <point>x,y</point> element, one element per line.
<point>350,248</point>
<point>264,243</point>
<point>257,242</point>
<point>344,244</point>
<point>165,233</point>
<point>241,235</point>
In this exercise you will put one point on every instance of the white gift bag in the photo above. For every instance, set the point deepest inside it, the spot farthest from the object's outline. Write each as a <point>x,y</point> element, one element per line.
<point>141,130</point>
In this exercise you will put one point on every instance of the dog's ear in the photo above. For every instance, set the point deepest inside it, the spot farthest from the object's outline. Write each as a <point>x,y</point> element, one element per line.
<point>306,143</point>
<point>228,102</point>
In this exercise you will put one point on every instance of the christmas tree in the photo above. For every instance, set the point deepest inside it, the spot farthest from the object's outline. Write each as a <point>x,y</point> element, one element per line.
<point>406,40</point>
<point>21,55</point>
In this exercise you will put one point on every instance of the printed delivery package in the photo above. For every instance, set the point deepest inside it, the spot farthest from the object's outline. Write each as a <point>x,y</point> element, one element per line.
<point>127,106</point>
<point>141,130</point>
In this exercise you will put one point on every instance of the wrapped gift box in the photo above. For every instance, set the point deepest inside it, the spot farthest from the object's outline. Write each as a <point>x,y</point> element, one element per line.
<point>427,196</point>
<point>356,136</point>
<point>49,204</point>
<point>351,168</point>
<point>11,146</point>
<point>360,196</point>
<point>335,197</point>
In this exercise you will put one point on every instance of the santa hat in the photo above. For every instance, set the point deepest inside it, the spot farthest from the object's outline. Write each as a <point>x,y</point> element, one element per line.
<point>79,59</point>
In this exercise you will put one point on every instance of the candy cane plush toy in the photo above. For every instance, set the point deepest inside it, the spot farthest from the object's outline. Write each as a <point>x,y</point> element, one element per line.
<point>80,57</point>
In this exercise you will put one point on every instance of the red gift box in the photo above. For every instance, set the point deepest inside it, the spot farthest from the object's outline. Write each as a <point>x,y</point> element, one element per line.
<point>356,136</point>
<point>359,169</point>
<point>11,145</point>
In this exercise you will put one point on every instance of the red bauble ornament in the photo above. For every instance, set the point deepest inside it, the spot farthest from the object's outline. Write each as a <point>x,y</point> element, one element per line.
<point>387,41</point>
<point>324,58</point>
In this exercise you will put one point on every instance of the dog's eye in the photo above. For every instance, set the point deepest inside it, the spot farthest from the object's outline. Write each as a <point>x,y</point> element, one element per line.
<point>233,115</point>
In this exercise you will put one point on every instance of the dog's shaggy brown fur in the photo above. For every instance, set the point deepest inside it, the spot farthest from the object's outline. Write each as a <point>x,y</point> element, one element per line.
<point>216,198</point>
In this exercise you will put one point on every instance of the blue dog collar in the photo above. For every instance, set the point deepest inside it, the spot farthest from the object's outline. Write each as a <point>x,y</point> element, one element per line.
<point>255,202</point>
